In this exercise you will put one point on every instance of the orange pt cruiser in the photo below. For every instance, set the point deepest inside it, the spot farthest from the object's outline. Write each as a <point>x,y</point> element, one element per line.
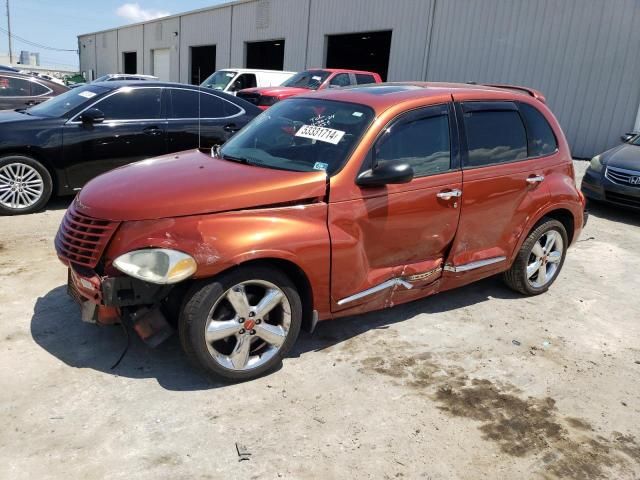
<point>329,204</point>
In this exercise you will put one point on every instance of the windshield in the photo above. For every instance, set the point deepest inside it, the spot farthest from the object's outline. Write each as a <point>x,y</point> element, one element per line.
<point>303,135</point>
<point>103,78</point>
<point>219,80</point>
<point>635,141</point>
<point>311,79</point>
<point>62,104</point>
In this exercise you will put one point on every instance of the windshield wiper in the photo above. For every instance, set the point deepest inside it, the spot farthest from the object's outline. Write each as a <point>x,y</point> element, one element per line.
<point>235,159</point>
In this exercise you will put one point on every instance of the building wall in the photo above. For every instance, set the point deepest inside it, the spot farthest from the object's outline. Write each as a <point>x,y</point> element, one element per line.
<point>409,21</point>
<point>212,27</point>
<point>130,39</point>
<point>271,20</point>
<point>159,34</point>
<point>107,52</point>
<point>582,54</point>
<point>87,48</point>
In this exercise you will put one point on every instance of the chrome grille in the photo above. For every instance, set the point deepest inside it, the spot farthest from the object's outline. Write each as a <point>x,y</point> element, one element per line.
<point>622,176</point>
<point>81,239</point>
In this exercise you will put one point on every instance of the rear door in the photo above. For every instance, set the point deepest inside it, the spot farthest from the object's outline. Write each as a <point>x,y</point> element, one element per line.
<point>399,231</point>
<point>200,119</point>
<point>134,128</point>
<point>503,172</point>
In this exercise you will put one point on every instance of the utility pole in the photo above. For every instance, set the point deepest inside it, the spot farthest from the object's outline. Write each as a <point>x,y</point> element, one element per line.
<point>9,33</point>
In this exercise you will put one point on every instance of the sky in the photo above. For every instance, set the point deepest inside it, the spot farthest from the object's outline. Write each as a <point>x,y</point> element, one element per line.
<point>57,23</point>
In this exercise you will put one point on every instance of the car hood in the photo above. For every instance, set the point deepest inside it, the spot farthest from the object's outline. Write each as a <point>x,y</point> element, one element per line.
<point>277,91</point>
<point>623,156</point>
<point>8,116</point>
<point>192,183</point>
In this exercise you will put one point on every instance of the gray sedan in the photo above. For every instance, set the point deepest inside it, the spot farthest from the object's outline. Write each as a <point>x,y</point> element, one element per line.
<point>614,176</point>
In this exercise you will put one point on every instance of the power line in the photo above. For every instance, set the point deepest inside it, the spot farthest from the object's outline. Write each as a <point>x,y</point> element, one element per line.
<point>35,44</point>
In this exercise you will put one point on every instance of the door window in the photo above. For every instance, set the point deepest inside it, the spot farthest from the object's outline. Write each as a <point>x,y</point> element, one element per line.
<point>494,136</point>
<point>421,139</point>
<point>134,104</point>
<point>362,78</point>
<point>340,80</point>
<point>540,136</point>
<point>191,104</point>
<point>246,80</point>
<point>14,87</point>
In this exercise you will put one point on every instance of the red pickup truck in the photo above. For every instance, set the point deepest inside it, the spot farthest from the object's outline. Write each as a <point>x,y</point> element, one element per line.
<point>314,79</point>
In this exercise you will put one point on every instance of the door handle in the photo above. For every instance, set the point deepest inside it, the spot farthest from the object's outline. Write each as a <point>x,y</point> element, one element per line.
<point>449,194</point>
<point>231,128</point>
<point>155,131</point>
<point>533,179</point>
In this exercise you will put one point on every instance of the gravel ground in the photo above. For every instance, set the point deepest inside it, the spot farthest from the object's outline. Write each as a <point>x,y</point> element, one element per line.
<point>473,383</point>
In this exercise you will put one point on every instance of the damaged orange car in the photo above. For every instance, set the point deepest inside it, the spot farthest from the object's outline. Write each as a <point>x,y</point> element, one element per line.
<point>329,204</point>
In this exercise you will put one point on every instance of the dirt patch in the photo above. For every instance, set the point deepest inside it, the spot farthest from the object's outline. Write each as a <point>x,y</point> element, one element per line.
<point>520,426</point>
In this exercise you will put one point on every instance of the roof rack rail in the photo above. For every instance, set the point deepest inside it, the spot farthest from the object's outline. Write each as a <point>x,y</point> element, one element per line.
<point>529,91</point>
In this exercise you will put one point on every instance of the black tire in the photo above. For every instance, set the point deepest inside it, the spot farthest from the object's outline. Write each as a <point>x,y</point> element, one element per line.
<point>201,299</point>
<point>46,180</point>
<point>516,276</point>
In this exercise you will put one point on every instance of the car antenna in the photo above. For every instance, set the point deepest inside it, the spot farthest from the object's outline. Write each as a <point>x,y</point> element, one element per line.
<point>199,111</point>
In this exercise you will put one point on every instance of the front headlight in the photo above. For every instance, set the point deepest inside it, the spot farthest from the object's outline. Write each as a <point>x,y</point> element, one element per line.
<point>156,265</point>
<point>596,165</point>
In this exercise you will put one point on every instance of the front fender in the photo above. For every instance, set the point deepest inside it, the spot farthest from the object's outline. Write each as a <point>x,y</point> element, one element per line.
<point>297,234</point>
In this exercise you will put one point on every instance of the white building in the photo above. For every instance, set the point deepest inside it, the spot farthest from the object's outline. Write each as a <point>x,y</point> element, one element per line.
<point>582,54</point>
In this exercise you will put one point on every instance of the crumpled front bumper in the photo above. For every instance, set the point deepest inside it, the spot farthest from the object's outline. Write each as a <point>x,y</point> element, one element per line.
<point>109,300</point>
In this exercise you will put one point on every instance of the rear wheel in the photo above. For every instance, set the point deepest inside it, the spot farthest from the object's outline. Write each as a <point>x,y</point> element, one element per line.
<point>242,323</point>
<point>25,185</point>
<point>540,259</point>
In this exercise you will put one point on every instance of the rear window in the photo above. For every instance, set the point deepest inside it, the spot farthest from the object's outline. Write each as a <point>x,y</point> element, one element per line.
<point>541,139</point>
<point>494,137</point>
<point>362,78</point>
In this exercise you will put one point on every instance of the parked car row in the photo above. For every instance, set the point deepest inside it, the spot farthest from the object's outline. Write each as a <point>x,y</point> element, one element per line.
<point>330,204</point>
<point>59,145</point>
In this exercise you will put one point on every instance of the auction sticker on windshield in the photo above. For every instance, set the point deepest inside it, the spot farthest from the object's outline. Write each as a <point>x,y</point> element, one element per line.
<point>87,94</point>
<point>322,134</point>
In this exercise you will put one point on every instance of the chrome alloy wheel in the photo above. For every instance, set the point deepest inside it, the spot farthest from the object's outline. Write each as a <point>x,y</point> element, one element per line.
<point>21,186</point>
<point>545,259</point>
<point>248,324</point>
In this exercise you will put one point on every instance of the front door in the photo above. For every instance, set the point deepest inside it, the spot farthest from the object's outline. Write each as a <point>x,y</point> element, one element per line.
<point>134,128</point>
<point>388,246</point>
<point>503,186</point>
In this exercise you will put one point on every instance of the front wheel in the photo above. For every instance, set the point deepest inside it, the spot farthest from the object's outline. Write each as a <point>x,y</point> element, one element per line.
<point>242,323</point>
<point>25,185</point>
<point>540,259</point>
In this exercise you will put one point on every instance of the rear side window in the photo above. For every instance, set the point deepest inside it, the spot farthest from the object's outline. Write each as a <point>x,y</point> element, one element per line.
<point>135,104</point>
<point>421,139</point>
<point>37,89</point>
<point>541,139</point>
<point>494,136</point>
<point>190,104</point>
<point>362,78</point>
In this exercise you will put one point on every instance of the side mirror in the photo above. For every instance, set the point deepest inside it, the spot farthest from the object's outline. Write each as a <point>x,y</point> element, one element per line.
<point>91,116</point>
<point>386,173</point>
<point>627,136</point>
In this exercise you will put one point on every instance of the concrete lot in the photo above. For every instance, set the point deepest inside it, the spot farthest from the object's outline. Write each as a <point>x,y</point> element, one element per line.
<point>474,383</point>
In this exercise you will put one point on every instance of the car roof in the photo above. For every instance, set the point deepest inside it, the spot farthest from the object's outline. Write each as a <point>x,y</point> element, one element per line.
<point>381,96</point>
<point>252,70</point>
<point>28,76</point>
<point>341,70</point>
<point>113,84</point>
